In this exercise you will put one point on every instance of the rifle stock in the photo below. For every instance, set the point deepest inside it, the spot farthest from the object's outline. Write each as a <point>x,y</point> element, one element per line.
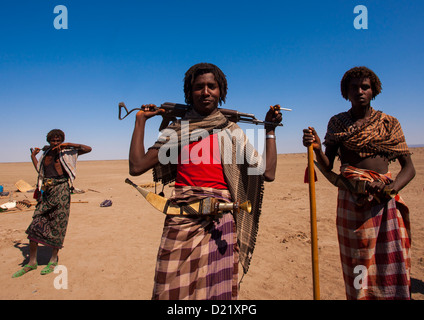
<point>176,110</point>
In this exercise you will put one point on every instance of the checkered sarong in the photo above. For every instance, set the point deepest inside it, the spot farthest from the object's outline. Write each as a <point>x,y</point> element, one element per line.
<point>197,259</point>
<point>374,240</point>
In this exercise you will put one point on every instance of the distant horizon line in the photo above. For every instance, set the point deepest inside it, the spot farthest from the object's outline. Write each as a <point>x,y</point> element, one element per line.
<point>80,160</point>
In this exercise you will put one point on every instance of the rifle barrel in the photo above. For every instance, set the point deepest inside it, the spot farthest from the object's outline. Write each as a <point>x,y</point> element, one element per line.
<point>178,110</point>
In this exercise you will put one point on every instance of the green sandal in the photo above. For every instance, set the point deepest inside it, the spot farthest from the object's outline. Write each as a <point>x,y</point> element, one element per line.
<point>23,271</point>
<point>48,269</point>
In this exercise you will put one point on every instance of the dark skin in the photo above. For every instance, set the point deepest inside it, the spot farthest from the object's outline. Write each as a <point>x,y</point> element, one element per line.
<point>360,96</point>
<point>57,144</point>
<point>205,94</point>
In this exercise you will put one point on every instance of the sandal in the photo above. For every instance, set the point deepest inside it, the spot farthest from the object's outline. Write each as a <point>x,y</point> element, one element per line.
<point>48,269</point>
<point>23,271</point>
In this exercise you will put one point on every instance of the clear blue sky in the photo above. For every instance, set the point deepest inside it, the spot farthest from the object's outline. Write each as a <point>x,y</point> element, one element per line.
<point>289,52</point>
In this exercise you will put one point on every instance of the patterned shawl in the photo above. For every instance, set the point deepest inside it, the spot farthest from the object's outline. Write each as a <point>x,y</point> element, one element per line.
<point>68,158</point>
<point>380,135</point>
<point>242,184</point>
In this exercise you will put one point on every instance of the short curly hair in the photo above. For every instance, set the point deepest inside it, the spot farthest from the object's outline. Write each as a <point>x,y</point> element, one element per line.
<point>55,132</point>
<point>199,69</point>
<point>360,73</point>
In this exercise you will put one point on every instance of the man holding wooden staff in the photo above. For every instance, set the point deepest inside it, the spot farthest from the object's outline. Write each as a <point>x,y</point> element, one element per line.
<point>199,253</point>
<point>372,219</point>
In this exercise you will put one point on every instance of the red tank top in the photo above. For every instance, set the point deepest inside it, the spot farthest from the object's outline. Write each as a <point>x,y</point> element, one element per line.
<point>200,165</point>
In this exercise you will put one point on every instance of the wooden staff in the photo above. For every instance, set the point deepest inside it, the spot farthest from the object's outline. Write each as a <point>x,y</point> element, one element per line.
<point>314,239</point>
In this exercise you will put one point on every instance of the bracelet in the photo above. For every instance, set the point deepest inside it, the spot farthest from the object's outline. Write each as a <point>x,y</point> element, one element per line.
<point>270,136</point>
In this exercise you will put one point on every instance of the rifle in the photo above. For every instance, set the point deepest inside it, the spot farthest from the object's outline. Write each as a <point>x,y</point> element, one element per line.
<point>174,110</point>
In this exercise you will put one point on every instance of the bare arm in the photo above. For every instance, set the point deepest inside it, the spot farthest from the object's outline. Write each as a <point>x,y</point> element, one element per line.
<point>326,160</point>
<point>139,160</point>
<point>82,149</point>
<point>34,153</point>
<point>406,174</point>
<point>270,145</point>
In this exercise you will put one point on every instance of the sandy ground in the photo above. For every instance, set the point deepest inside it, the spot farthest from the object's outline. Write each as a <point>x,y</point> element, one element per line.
<point>110,252</point>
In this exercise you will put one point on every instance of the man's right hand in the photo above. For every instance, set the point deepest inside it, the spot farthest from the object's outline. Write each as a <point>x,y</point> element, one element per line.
<point>35,151</point>
<point>310,136</point>
<point>147,111</point>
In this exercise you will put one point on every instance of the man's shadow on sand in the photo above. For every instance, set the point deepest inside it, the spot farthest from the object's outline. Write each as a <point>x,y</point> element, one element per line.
<point>43,253</point>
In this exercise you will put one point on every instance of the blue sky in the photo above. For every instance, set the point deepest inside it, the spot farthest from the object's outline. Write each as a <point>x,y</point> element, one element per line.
<point>291,53</point>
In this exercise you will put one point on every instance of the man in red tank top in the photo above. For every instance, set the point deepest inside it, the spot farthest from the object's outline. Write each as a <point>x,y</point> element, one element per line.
<point>199,255</point>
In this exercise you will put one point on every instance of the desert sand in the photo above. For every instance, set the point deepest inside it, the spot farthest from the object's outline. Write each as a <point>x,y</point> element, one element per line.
<point>110,252</point>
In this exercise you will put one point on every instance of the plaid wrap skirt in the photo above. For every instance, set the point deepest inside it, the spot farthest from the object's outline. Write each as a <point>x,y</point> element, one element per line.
<point>374,241</point>
<point>197,259</point>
